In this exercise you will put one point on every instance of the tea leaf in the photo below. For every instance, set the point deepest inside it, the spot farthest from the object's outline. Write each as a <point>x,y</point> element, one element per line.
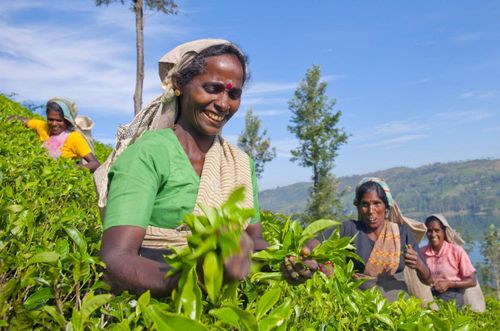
<point>38,298</point>
<point>168,321</point>
<point>213,275</point>
<point>267,301</point>
<point>190,296</point>
<point>91,303</point>
<point>44,257</point>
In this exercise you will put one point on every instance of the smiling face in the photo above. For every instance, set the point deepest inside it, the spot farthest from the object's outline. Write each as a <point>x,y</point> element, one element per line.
<point>56,122</point>
<point>435,234</point>
<point>371,210</point>
<point>211,98</point>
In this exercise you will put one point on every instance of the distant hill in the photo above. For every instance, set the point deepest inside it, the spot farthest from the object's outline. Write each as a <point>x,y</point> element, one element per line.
<point>467,193</point>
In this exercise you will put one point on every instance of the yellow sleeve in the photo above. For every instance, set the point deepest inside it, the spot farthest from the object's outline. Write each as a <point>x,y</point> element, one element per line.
<point>41,128</point>
<point>75,146</point>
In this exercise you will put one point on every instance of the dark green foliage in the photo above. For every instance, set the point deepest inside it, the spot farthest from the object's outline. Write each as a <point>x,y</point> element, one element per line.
<point>50,271</point>
<point>490,268</point>
<point>255,143</point>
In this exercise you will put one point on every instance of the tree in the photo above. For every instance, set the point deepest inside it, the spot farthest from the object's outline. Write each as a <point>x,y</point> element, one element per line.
<point>31,106</point>
<point>324,201</point>
<point>164,6</point>
<point>490,249</point>
<point>255,144</point>
<point>314,124</point>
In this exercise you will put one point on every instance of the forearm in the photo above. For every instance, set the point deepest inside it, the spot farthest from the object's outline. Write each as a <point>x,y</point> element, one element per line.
<point>138,274</point>
<point>424,274</point>
<point>92,163</point>
<point>92,166</point>
<point>19,118</point>
<point>464,283</point>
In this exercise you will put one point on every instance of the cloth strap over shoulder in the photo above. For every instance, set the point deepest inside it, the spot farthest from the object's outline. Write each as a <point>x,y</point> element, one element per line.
<point>225,169</point>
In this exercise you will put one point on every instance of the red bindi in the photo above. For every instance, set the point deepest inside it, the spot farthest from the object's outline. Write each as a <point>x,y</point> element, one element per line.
<point>229,86</point>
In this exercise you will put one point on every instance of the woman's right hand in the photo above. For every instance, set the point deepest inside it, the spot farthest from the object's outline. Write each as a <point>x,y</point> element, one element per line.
<point>297,270</point>
<point>237,266</point>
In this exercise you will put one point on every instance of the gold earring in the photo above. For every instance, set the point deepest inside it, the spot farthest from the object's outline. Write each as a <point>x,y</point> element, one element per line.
<point>177,92</point>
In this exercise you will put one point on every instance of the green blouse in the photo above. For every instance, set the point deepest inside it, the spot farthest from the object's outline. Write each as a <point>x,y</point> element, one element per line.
<point>153,183</point>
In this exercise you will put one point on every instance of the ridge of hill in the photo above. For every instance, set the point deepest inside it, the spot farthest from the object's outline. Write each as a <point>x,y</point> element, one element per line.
<point>466,192</point>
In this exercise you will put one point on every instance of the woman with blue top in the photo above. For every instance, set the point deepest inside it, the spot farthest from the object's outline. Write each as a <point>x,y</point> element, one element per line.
<point>180,162</point>
<point>383,240</point>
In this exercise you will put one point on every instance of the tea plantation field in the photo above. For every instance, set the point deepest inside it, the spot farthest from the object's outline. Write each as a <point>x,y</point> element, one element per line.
<point>50,273</point>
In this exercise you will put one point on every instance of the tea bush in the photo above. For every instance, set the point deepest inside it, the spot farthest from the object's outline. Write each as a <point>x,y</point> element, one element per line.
<point>50,272</point>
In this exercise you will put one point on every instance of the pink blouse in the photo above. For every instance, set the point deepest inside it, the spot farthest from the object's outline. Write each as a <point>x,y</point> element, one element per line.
<point>450,263</point>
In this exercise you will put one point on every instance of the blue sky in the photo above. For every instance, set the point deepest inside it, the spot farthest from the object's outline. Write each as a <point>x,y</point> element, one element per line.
<point>417,82</point>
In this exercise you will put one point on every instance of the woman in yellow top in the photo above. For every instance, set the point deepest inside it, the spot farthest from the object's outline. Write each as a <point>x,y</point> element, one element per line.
<point>58,133</point>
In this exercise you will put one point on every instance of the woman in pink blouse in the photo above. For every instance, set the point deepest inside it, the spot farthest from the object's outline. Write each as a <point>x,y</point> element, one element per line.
<point>451,269</point>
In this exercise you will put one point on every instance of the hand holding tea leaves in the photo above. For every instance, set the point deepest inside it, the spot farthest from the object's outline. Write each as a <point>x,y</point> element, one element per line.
<point>298,255</point>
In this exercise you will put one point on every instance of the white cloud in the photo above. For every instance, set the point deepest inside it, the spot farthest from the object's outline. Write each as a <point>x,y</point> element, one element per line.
<point>492,129</point>
<point>396,141</point>
<point>261,113</point>
<point>478,94</point>
<point>284,146</point>
<point>97,70</point>
<point>271,112</point>
<point>250,101</point>
<point>464,116</point>
<point>330,78</point>
<point>390,129</point>
<point>465,38</point>
<point>419,81</point>
<point>266,87</point>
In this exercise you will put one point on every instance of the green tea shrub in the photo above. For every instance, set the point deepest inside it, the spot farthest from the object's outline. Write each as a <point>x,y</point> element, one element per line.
<point>50,273</point>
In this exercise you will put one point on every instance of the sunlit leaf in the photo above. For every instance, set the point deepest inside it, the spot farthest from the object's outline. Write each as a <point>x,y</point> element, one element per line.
<point>213,275</point>
<point>267,301</point>
<point>190,296</point>
<point>168,321</point>
<point>38,298</point>
<point>44,257</point>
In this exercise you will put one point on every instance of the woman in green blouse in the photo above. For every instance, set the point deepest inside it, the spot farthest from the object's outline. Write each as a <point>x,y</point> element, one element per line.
<point>184,162</point>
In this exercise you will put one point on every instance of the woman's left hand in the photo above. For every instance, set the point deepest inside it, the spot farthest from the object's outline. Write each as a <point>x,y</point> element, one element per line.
<point>442,285</point>
<point>297,270</point>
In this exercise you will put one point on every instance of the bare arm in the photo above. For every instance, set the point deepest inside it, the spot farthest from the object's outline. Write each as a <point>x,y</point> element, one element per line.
<point>92,163</point>
<point>19,118</point>
<point>443,285</point>
<point>126,270</point>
